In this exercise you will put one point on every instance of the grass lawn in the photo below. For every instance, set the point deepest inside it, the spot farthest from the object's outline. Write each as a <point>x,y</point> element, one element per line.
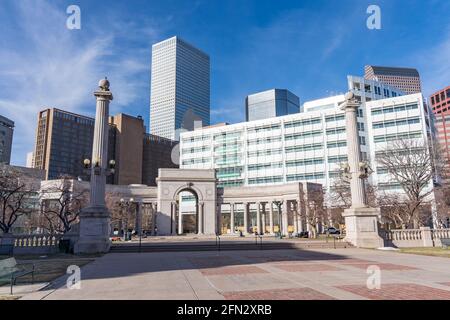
<point>437,252</point>
<point>48,267</point>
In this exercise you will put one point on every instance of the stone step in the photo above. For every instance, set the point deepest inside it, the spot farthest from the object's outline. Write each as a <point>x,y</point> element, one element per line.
<point>224,247</point>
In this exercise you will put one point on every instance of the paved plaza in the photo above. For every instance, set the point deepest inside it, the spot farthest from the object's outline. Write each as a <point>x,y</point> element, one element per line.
<point>258,274</point>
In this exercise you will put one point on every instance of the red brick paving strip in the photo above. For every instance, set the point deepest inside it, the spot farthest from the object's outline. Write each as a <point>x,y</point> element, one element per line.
<point>211,262</point>
<point>382,266</point>
<point>278,294</point>
<point>231,270</point>
<point>311,267</point>
<point>407,291</point>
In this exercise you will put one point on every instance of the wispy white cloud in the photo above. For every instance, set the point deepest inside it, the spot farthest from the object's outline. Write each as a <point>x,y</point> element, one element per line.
<point>51,66</point>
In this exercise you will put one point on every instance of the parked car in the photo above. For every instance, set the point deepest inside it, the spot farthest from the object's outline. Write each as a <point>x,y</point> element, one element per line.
<point>303,234</point>
<point>332,230</point>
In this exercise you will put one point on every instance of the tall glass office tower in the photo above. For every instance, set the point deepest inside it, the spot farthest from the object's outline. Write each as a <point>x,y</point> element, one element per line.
<point>271,103</point>
<point>180,87</point>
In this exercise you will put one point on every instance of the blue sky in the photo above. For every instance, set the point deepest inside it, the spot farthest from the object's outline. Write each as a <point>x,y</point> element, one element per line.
<point>306,46</point>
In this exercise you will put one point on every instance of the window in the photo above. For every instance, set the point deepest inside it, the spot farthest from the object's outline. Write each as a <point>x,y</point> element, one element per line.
<point>360,126</point>
<point>335,118</point>
<point>304,122</point>
<point>393,123</point>
<point>336,144</point>
<point>362,141</point>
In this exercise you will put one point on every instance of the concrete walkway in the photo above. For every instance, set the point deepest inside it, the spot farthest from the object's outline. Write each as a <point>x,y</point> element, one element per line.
<point>280,274</point>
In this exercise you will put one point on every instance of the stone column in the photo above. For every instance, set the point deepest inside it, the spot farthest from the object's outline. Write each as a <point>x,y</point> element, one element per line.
<point>271,217</point>
<point>294,217</point>
<point>245,218</point>
<point>200,217</point>
<point>284,218</point>
<point>263,218</point>
<point>180,222</point>
<point>258,217</point>
<point>299,216</point>
<point>361,221</point>
<point>232,218</point>
<point>95,220</point>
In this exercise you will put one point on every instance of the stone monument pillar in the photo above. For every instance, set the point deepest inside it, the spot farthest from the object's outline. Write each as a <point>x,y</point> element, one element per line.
<point>95,219</point>
<point>361,221</point>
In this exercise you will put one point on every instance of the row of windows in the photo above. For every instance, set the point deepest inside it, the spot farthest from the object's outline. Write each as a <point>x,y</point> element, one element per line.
<point>305,147</point>
<point>274,165</point>
<point>397,136</point>
<point>197,149</point>
<point>304,162</point>
<point>304,122</point>
<point>336,130</point>
<point>267,152</point>
<point>339,117</point>
<point>231,183</point>
<point>263,141</point>
<point>305,176</point>
<point>337,159</point>
<point>336,144</point>
<point>196,161</point>
<point>264,180</point>
<point>395,123</point>
<point>295,136</point>
<point>391,109</point>
<point>264,129</point>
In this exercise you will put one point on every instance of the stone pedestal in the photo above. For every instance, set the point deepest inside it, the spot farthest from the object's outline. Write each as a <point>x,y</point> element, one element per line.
<point>361,226</point>
<point>94,231</point>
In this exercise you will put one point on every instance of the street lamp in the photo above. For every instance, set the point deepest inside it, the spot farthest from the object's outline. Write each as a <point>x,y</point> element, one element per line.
<point>87,163</point>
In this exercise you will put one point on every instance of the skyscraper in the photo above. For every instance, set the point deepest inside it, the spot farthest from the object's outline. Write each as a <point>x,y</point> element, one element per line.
<point>6,137</point>
<point>63,141</point>
<point>180,87</point>
<point>405,79</point>
<point>271,103</point>
<point>440,104</point>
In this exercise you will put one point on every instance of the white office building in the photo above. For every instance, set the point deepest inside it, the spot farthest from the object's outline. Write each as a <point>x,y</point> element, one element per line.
<point>180,87</point>
<point>304,147</point>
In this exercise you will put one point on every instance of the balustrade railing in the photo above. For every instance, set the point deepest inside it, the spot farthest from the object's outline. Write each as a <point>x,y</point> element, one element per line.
<point>440,233</point>
<point>36,240</point>
<point>425,237</point>
<point>407,234</point>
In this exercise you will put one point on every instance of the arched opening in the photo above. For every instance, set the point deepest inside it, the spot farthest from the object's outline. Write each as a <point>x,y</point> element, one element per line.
<point>187,212</point>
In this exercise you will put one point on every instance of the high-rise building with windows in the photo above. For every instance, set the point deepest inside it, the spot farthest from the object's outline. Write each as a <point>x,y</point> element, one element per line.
<point>271,103</point>
<point>440,104</point>
<point>180,85</point>
<point>6,138</point>
<point>304,147</point>
<point>64,140</point>
<point>405,79</point>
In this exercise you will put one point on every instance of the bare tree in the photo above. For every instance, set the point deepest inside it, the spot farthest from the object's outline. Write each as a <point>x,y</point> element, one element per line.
<point>62,205</point>
<point>14,196</point>
<point>411,163</point>
<point>119,216</point>
<point>315,211</point>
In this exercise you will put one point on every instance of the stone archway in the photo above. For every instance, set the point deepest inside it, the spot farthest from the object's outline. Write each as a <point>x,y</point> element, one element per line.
<point>172,182</point>
<point>187,215</point>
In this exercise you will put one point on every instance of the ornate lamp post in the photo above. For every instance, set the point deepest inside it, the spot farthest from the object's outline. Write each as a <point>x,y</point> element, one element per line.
<point>95,219</point>
<point>361,221</point>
